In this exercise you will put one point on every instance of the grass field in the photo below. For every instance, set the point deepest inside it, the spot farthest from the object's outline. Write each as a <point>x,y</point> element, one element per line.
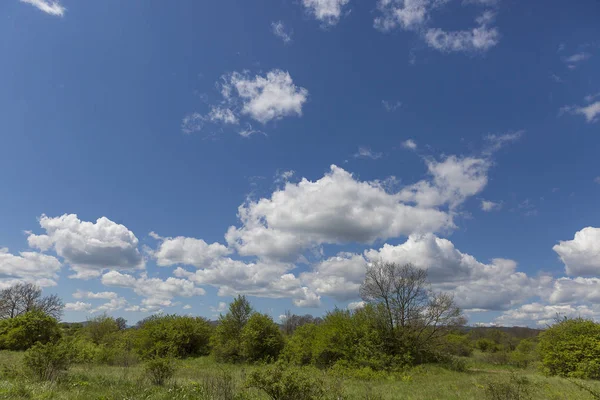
<point>202,378</point>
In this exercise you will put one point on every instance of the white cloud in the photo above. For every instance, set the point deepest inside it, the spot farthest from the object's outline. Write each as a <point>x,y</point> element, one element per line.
<point>355,305</point>
<point>481,38</point>
<point>326,11</point>
<point>156,291</point>
<point>475,285</point>
<point>193,122</point>
<point>47,6</point>
<point>581,255</point>
<point>590,111</point>
<point>495,142</point>
<point>267,98</point>
<point>221,114</point>
<point>222,307</point>
<point>115,304</point>
<point>187,307</point>
<point>279,30</point>
<point>577,58</point>
<point>249,131</point>
<point>391,106</point>
<point>488,205</point>
<point>543,315</point>
<point>366,152</point>
<point>80,294</point>
<point>334,209</point>
<point>189,251</point>
<point>89,248</point>
<point>454,179</point>
<point>78,306</point>
<point>339,277</point>
<point>576,290</point>
<point>415,15</point>
<point>29,266</point>
<point>409,144</point>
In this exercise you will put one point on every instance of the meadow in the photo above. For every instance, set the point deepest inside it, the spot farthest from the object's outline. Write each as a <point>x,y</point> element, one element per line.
<point>204,378</point>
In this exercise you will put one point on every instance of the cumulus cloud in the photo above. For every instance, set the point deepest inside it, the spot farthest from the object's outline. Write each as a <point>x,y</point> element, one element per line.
<point>278,29</point>
<point>355,305</point>
<point>415,15</point>
<point>89,248</point>
<point>339,277</point>
<point>577,290</point>
<point>334,209</point>
<point>189,251</point>
<point>475,285</point>
<point>47,6</point>
<point>581,255</point>
<point>543,315</point>
<point>81,294</point>
<point>454,179</point>
<point>29,266</point>
<point>326,11</point>
<point>157,292</point>
<point>222,307</point>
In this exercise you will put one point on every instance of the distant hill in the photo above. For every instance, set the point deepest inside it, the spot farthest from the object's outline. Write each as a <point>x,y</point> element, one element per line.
<point>516,331</point>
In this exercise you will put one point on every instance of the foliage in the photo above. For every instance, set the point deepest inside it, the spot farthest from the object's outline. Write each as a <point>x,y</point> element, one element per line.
<point>298,349</point>
<point>291,322</point>
<point>486,345</point>
<point>173,336</point>
<point>281,382</point>
<point>160,370</point>
<point>261,339</point>
<point>23,331</point>
<point>458,345</point>
<point>525,353</point>
<point>514,388</point>
<point>48,361</point>
<point>101,329</point>
<point>571,347</point>
<point>226,338</point>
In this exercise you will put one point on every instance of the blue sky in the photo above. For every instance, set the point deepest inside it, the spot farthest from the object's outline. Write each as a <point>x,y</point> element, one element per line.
<point>165,157</point>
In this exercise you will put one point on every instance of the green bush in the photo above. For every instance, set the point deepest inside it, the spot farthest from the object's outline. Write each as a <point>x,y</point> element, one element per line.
<point>571,348</point>
<point>524,354</point>
<point>160,370</point>
<point>458,345</point>
<point>101,329</point>
<point>48,361</point>
<point>486,345</point>
<point>298,349</point>
<point>226,340</point>
<point>513,388</point>
<point>261,339</point>
<point>22,332</point>
<point>172,336</point>
<point>282,382</point>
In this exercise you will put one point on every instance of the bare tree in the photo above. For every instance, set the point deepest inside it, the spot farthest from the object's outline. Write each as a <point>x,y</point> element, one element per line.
<point>291,322</point>
<point>24,297</point>
<point>410,304</point>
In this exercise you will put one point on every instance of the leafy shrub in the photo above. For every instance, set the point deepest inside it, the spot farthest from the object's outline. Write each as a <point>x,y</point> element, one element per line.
<point>457,364</point>
<point>101,329</point>
<point>486,345</point>
<point>514,388</point>
<point>261,339</point>
<point>227,335</point>
<point>524,354</point>
<point>48,361</point>
<point>159,370</point>
<point>22,332</point>
<point>571,347</point>
<point>281,382</point>
<point>458,345</point>
<point>298,348</point>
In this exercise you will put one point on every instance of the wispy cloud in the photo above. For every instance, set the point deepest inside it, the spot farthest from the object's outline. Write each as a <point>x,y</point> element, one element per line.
<point>409,144</point>
<point>576,58</point>
<point>278,29</point>
<point>590,111</point>
<point>47,6</point>
<point>366,152</point>
<point>495,142</point>
<point>488,205</point>
<point>326,11</point>
<point>391,106</point>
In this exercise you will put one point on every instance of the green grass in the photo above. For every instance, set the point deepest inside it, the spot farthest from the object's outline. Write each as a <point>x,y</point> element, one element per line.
<point>195,378</point>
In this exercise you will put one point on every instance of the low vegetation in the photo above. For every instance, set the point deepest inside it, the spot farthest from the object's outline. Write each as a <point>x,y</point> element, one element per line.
<point>406,342</point>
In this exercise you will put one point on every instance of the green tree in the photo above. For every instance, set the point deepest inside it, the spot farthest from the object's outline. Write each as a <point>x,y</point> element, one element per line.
<point>261,339</point>
<point>227,336</point>
<point>25,330</point>
<point>298,349</point>
<point>173,336</point>
<point>101,329</point>
<point>571,347</point>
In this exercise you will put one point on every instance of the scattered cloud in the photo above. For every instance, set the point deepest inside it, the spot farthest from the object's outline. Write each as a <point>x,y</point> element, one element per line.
<point>278,29</point>
<point>29,266</point>
<point>577,58</point>
<point>326,11</point>
<point>416,15</point>
<point>193,122</point>
<point>222,307</point>
<point>80,294</point>
<point>409,144</point>
<point>391,106</point>
<point>187,307</point>
<point>488,205</point>
<point>355,305</point>
<point>188,251</point>
<point>339,277</point>
<point>495,142</point>
<point>590,111</point>
<point>366,152</point>
<point>542,315</point>
<point>47,6</point>
<point>89,248</point>
<point>581,255</point>
<point>78,306</point>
